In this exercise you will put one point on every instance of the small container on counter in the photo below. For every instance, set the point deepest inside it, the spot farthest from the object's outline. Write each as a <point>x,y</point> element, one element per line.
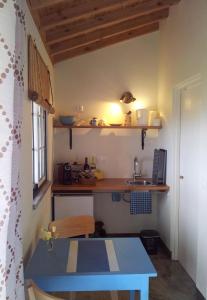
<point>93,122</point>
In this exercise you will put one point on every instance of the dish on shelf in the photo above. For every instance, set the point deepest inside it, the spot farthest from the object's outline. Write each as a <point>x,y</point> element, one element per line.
<point>67,120</point>
<point>115,124</point>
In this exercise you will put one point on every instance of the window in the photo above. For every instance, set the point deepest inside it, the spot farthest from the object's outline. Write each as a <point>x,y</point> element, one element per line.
<point>39,148</point>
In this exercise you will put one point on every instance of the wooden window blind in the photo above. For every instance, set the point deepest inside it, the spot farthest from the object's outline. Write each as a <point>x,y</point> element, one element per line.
<point>39,83</point>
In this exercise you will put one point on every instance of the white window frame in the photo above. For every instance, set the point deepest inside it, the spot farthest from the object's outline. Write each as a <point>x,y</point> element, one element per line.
<point>39,147</point>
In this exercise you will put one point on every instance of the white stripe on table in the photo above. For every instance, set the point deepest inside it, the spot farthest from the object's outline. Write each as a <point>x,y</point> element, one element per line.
<point>113,263</point>
<point>72,257</point>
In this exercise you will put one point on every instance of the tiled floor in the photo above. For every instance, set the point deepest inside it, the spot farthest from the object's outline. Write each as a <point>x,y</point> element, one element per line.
<point>172,283</point>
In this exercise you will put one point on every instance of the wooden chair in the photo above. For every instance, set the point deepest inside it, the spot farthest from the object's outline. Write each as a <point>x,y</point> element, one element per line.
<point>34,293</point>
<point>73,226</point>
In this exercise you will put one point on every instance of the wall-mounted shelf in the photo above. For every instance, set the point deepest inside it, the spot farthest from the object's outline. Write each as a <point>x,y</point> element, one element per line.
<point>142,128</point>
<point>57,125</point>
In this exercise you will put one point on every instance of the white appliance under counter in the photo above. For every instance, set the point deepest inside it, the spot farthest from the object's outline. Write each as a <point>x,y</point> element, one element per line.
<point>73,205</point>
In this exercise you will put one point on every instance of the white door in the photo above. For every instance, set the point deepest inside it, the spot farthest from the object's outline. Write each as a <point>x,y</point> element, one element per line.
<point>190,162</point>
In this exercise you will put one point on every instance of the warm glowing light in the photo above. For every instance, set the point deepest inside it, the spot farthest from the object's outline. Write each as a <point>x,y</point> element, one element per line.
<point>115,109</point>
<point>138,104</point>
<point>113,113</point>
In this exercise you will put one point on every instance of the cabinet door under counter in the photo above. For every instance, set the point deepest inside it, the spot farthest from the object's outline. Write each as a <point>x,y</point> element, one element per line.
<point>72,204</point>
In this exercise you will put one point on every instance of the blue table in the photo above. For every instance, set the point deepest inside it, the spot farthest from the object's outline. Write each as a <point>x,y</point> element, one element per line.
<point>92,265</point>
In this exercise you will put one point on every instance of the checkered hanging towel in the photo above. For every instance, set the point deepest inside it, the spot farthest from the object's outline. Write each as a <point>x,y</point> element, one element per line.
<point>140,202</point>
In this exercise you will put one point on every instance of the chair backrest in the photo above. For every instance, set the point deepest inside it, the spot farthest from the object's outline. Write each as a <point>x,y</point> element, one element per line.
<point>34,293</point>
<point>73,226</point>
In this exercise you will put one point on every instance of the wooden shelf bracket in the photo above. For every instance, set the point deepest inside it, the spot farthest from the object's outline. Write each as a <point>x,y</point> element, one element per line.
<point>143,136</point>
<point>71,138</point>
<point>143,132</point>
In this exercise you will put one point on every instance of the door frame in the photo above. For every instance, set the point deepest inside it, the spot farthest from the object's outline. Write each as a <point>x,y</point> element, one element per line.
<point>176,119</point>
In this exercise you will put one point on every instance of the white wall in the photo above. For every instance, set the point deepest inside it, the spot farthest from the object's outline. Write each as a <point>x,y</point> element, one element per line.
<point>33,219</point>
<point>117,218</point>
<point>98,78</point>
<point>183,48</point>
<point>96,81</point>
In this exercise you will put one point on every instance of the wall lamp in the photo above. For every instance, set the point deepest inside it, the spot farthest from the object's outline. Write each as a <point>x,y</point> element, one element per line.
<point>127,98</point>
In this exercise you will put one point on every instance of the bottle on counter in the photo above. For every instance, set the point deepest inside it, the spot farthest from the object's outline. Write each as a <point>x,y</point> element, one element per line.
<point>93,164</point>
<point>86,166</point>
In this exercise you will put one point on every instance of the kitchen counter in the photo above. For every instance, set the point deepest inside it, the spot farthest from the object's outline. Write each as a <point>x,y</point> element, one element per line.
<point>108,185</point>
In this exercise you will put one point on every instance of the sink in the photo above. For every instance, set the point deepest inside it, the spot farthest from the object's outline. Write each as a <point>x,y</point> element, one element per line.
<point>139,182</point>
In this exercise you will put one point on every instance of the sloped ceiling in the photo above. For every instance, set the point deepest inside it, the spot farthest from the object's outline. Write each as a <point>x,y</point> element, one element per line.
<point>73,27</point>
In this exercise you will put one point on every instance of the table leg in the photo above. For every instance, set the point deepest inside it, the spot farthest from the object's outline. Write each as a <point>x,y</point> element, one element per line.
<point>132,295</point>
<point>72,295</point>
<point>114,295</point>
<point>144,294</point>
<point>144,290</point>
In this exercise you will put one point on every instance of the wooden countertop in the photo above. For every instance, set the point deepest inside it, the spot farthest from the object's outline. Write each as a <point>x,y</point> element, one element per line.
<point>107,185</point>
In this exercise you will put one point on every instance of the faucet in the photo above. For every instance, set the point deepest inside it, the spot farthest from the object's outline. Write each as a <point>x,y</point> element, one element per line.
<point>137,169</point>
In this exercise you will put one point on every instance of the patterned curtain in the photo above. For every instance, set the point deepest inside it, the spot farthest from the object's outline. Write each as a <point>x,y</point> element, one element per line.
<point>12,42</point>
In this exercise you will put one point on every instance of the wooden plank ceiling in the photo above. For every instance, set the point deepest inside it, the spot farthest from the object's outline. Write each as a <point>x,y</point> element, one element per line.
<point>73,27</point>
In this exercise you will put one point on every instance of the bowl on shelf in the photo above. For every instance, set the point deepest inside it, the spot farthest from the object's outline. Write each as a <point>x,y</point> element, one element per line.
<point>67,120</point>
<point>115,124</point>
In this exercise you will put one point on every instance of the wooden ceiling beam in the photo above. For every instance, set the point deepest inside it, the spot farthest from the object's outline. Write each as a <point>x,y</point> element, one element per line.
<point>103,33</point>
<point>106,42</point>
<point>40,4</point>
<point>92,24</point>
<point>36,19</point>
<point>72,13</point>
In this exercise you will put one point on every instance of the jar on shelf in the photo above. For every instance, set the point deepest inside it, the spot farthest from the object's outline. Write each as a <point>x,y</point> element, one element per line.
<point>128,119</point>
<point>142,116</point>
<point>93,122</point>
